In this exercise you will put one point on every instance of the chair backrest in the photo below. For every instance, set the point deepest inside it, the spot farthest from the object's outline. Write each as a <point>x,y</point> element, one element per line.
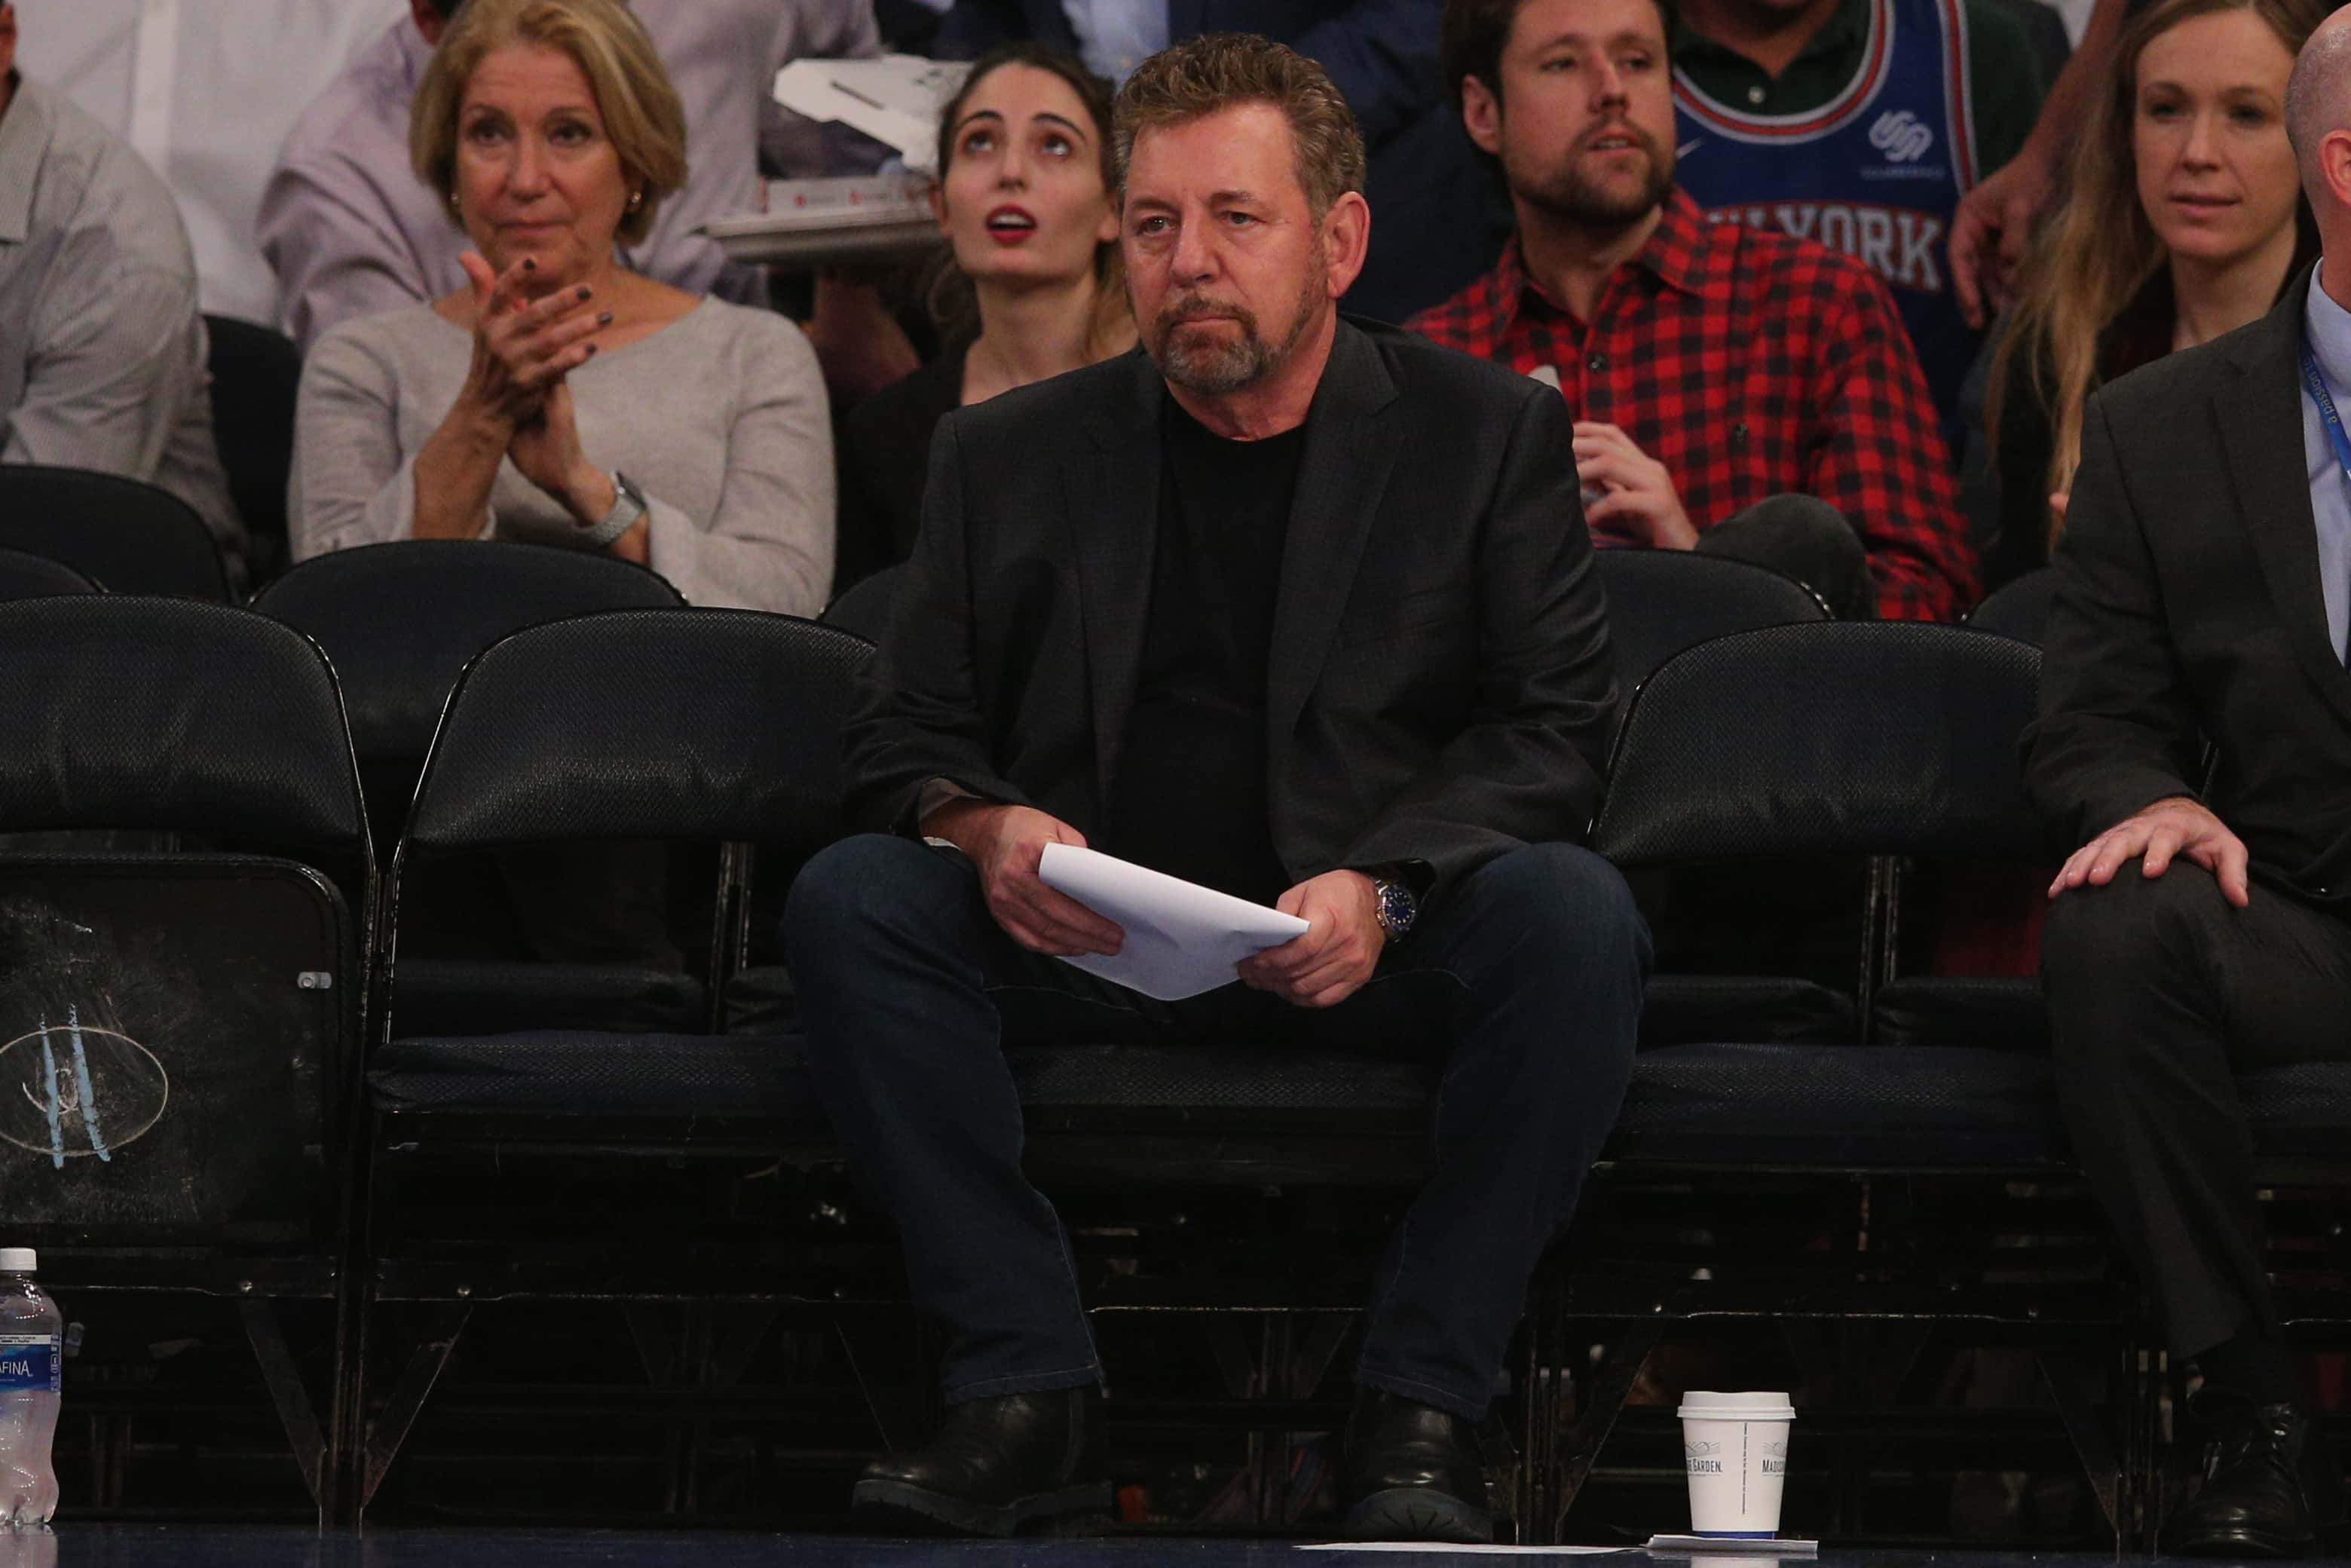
<point>1848,737</point>
<point>1663,601</point>
<point>865,607</point>
<point>132,538</point>
<point>28,576</point>
<point>256,373</point>
<point>167,716</point>
<point>719,725</point>
<point>401,621</point>
<point>2019,609</point>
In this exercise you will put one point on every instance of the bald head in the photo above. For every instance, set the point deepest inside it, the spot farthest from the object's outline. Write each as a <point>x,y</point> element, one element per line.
<point>2318,101</point>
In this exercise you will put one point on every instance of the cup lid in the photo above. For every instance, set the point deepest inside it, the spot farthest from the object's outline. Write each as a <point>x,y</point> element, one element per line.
<point>1705,1405</point>
<point>18,1261</point>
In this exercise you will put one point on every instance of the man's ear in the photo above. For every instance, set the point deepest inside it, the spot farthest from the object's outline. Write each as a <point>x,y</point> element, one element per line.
<point>1481,116</point>
<point>2334,165</point>
<point>1346,240</point>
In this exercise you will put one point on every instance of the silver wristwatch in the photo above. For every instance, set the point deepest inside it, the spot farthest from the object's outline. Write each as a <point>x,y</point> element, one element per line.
<point>628,507</point>
<point>1394,906</point>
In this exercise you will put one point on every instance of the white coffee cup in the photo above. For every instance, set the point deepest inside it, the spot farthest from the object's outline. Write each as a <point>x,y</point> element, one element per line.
<point>1736,1448</point>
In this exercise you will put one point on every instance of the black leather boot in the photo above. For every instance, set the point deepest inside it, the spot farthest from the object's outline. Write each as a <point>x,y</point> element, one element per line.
<point>998,1464</point>
<point>1412,1473</point>
<point>2270,1486</point>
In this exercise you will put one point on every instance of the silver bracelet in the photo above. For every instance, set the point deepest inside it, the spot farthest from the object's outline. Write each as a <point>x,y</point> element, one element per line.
<point>628,505</point>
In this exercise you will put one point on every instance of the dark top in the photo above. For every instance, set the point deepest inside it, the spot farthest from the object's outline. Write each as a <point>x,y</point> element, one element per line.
<point>883,452</point>
<point>2139,334</point>
<point>2189,607</point>
<point>2005,81</point>
<point>1191,799</point>
<point>1438,688</point>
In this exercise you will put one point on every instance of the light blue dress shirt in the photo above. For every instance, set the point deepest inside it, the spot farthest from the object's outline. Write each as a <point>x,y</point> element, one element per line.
<point>2329,325</point>
<point>1116,36</point>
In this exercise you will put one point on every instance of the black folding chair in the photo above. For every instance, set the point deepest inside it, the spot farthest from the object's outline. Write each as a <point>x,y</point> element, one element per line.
<point>401,622</point>
<point>717,727</point>
<point>2019,609</point>
<point>131,536</point>
<point>256,373</point>
<point>1884,740</point>
<point>24,576</point>
<point>180,1027</point>
<point>1661,601</point>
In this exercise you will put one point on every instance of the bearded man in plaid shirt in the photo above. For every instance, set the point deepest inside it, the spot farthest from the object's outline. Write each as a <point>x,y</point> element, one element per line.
<point>1735,390</point>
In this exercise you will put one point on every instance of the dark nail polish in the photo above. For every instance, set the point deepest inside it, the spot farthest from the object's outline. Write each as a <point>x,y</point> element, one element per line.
<point>585,294</point>
<point>605,320</point>
<point>529,264</point>
<point>591,350</point>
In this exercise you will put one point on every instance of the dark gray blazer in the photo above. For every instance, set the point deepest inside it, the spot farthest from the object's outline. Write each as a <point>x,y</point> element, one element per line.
<point>1440,689</point>
<point>2188,607</point>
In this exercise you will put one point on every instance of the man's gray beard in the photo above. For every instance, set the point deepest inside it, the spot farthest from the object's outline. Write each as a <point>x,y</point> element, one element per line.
<point>1568,196</point>
<point>1216,368</point>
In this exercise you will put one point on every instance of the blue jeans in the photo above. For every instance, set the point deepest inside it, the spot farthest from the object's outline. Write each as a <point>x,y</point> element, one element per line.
<point>1525,977</point>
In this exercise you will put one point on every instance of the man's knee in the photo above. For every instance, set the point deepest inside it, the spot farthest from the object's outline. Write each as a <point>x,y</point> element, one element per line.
<point>1570,901</point>
<point>2108,953</point>
<point>869,886</point>
<point>2135,928</point>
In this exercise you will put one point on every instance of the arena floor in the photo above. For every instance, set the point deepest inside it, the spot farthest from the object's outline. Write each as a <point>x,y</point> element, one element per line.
<point>131,1546</point>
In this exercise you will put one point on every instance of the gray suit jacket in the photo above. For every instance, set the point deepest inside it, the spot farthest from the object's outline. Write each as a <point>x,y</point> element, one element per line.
<point>2188,608</point>
<point>1439,688</point>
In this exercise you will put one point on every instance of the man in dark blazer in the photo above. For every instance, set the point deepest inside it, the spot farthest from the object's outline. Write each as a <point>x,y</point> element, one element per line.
<point>2204,926</point>
<point>1443,216</point>
<point>1293,607</point>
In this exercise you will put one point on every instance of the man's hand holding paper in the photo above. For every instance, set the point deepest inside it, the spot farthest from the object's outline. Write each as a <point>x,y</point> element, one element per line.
<point>1340,950</point>
<point>1006,844</point>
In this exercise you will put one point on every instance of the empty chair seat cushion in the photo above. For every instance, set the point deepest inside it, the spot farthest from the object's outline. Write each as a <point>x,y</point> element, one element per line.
<point>574,1072</point>
<point>1702,1010</point>
<point>1996,1013</point>
<point>2302,1109</point>
<point>464,996</point>
<point>1840,1107</point>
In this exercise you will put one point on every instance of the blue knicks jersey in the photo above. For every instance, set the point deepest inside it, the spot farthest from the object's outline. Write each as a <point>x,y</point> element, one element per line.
<point>1875,173</point>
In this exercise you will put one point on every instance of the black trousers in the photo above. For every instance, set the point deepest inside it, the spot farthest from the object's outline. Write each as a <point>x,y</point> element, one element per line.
<point>1524,979</point>
<point>2158,993</point>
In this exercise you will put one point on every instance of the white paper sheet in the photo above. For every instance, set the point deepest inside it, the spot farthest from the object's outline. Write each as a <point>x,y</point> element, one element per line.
<point>1437,1546</point>
<point>893,98</point>
<point>1181,938</point>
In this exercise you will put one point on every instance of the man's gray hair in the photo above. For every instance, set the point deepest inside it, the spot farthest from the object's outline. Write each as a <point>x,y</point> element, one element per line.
<point>2315,98</point>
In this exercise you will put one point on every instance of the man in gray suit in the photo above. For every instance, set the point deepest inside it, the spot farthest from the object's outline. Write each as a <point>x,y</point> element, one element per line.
<point>2204,593</point>
<point>1296,609</point>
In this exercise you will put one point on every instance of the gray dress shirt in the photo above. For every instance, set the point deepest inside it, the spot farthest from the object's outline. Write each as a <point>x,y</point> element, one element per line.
<point>101,347</point>
<point>351,231</point>
<point>1116,36</point>
<point>720,418</point>
<point>2329,325</point>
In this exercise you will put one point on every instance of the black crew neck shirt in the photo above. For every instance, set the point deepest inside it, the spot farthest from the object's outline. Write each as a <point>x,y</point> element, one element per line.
<point>1189,797</point>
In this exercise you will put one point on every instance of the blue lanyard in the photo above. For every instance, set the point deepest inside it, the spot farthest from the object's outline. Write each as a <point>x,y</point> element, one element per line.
<point>2316,386</point>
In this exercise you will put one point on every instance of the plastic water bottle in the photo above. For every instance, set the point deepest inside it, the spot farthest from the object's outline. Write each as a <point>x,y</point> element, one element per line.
<point>32,1360</point>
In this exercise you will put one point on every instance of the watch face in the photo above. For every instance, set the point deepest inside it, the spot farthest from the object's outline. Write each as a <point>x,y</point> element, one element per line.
<point>1396,908</point>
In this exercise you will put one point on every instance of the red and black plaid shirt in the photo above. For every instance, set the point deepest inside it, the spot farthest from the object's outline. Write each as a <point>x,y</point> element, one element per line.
<point>1751,364</point>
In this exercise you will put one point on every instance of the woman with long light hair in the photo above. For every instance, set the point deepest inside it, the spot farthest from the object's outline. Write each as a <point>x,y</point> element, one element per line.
<point>2184,220</point>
